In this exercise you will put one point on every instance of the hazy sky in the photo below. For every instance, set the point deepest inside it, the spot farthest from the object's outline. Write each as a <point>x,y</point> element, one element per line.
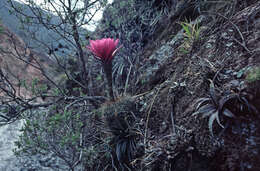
<point>97,17</point>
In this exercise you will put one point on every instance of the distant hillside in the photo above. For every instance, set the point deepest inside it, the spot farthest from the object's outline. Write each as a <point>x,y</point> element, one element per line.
<point>49,37</point>
<point>15,68</point>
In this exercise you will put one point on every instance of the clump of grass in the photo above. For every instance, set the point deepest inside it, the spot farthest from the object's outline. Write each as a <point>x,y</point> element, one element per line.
<point>191,35</point>
<point>191,31</point>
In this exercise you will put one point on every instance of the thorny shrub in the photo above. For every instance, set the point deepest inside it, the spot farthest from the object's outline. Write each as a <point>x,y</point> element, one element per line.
<point>67,133</point>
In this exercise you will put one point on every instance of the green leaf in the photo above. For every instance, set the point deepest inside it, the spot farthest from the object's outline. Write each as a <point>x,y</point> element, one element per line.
<point>228,113</point>
<point>205,109</point>
<point>99,77</point>
<point>201,101</point>
<point>212,118</point>
<point>212,93</point>
<point>209,113</point>
<point>186,28</point>
<point>224,100</point>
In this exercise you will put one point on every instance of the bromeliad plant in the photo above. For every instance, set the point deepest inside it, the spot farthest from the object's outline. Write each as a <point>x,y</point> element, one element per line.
<point>104,50</point>
<point>216,105</point>
<point>122,123</point>
<point>211,107</point>
<point>124,137</point>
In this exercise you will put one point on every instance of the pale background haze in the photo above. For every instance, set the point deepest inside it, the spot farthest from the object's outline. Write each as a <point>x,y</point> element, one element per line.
<point>91,27</point>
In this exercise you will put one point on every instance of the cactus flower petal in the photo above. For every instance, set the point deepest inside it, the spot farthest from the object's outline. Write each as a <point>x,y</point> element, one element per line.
<point>104,49</point>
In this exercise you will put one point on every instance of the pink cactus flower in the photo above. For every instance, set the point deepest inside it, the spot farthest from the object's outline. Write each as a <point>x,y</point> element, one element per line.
<point>104,49</point>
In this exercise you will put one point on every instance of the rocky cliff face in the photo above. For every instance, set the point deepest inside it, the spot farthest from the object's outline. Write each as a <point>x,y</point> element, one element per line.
<point>175,69</point>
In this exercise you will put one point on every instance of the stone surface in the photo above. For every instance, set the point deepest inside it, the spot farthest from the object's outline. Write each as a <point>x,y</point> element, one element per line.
<point>8,135</point>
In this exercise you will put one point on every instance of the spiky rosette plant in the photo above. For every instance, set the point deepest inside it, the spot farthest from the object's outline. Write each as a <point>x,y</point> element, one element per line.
<point>124,137</point>
<point>122,125</point>
<point>104,50</point>
<point>210,107</point>
<point>228,105</point>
